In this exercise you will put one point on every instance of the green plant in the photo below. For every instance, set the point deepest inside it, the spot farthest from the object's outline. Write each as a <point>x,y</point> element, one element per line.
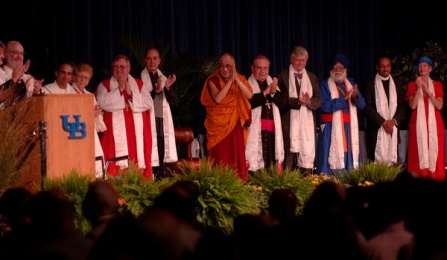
<point>223,195</point>
<point>369,173</point>
<point>270,180</point>
<point>74,186</point>
<point>137,191</point>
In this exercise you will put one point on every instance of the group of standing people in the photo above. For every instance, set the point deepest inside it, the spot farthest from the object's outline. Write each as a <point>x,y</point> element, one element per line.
<point>132,116</point>
<point>291,120</point>
<point>138,116</point>
<point>294,121</point>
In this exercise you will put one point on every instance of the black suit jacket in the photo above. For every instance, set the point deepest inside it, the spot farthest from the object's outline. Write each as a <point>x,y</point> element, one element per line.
<point>374,120</point>
<point>292,103</point>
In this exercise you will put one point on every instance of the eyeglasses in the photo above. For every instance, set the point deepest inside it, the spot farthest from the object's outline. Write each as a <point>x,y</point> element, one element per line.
<point>338,68</point>
<point>15,52</point>
<point>121,67</point>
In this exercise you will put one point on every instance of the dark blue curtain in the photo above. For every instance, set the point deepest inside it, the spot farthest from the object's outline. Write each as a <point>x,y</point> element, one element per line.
<point>86,30</point>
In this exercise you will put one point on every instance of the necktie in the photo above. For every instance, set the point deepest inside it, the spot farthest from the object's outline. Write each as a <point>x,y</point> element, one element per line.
<point>297,82</point>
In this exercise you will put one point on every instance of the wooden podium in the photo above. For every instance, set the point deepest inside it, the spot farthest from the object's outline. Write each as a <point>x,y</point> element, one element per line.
<point>67,126</point>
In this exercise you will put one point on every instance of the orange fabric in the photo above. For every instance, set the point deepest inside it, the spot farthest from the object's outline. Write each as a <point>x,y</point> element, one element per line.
<point>222,118</point>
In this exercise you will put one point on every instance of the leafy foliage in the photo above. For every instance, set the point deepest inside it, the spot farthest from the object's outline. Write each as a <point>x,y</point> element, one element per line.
<point>404,64</point>
<point>270,180</point>
<point>74,185</point>
<point>369,172</point>
<point>137,191</point>
<point>223,195</point>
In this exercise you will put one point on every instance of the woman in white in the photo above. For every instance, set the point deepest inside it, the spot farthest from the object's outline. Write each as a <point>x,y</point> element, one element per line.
<point>82,75</point>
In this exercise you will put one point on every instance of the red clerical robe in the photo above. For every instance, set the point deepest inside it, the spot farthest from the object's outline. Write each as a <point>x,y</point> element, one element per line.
<point>128,121</point>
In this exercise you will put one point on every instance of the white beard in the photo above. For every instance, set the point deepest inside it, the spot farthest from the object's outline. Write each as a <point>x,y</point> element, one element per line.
<point>338,76</point>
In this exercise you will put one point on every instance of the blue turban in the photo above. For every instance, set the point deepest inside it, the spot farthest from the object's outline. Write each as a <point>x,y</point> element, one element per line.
<point>424,59</point>
<point>343,59</point>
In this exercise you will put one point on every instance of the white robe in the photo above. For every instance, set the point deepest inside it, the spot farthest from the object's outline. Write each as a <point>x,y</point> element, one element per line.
<point>53,88</point>
<point>170,153</point>
<point>112,101</point>
<point>27,78</point>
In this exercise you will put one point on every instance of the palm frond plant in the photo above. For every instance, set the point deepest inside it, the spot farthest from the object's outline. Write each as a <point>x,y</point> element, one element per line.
<point>369,173</point>
<point>191,71</point>
<point>223,195</point>
<point>270,180</point>
<point>74,185</point>
<point>137,48</point>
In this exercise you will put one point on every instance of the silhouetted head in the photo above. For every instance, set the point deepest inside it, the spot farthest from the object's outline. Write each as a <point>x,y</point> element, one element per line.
<point>282,204</point>
<point>101,199</point>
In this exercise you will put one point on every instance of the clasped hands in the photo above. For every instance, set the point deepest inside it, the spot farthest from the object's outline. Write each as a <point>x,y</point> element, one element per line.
<point>422,87</point>
<point>388,125</point>
<point>352,93</point>
<point>124,85</point>
<point>304,99</point>
<point>272,88</point>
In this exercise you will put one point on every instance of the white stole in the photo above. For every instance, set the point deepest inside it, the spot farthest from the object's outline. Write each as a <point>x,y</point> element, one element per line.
<point>302,125</point>
<point>386,146</point>
<point>336,151</point>
<point>427,151</point>
<point>170,153</point>
<point>119,129</point>
<point>253,149</point>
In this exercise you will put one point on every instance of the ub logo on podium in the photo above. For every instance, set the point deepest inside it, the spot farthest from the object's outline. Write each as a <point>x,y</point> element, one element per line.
<point>76,128</point>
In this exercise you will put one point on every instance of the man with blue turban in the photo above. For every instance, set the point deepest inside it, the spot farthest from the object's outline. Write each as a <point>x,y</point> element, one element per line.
<point>338,141</point>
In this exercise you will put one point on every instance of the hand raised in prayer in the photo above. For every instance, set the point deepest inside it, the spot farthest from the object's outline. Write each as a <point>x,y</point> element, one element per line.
<point>419,83</point>
<point>354,92</point>
<point>19,70</point>
<point>272,88</point>
<point>38,86</point>
<point>425,90</point>
<point>233,74</point>
<point>124,86</point>
<point>169,81</point>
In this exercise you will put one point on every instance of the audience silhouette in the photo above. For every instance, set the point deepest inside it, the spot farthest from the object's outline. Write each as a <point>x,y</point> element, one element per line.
<point>401,219</point>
